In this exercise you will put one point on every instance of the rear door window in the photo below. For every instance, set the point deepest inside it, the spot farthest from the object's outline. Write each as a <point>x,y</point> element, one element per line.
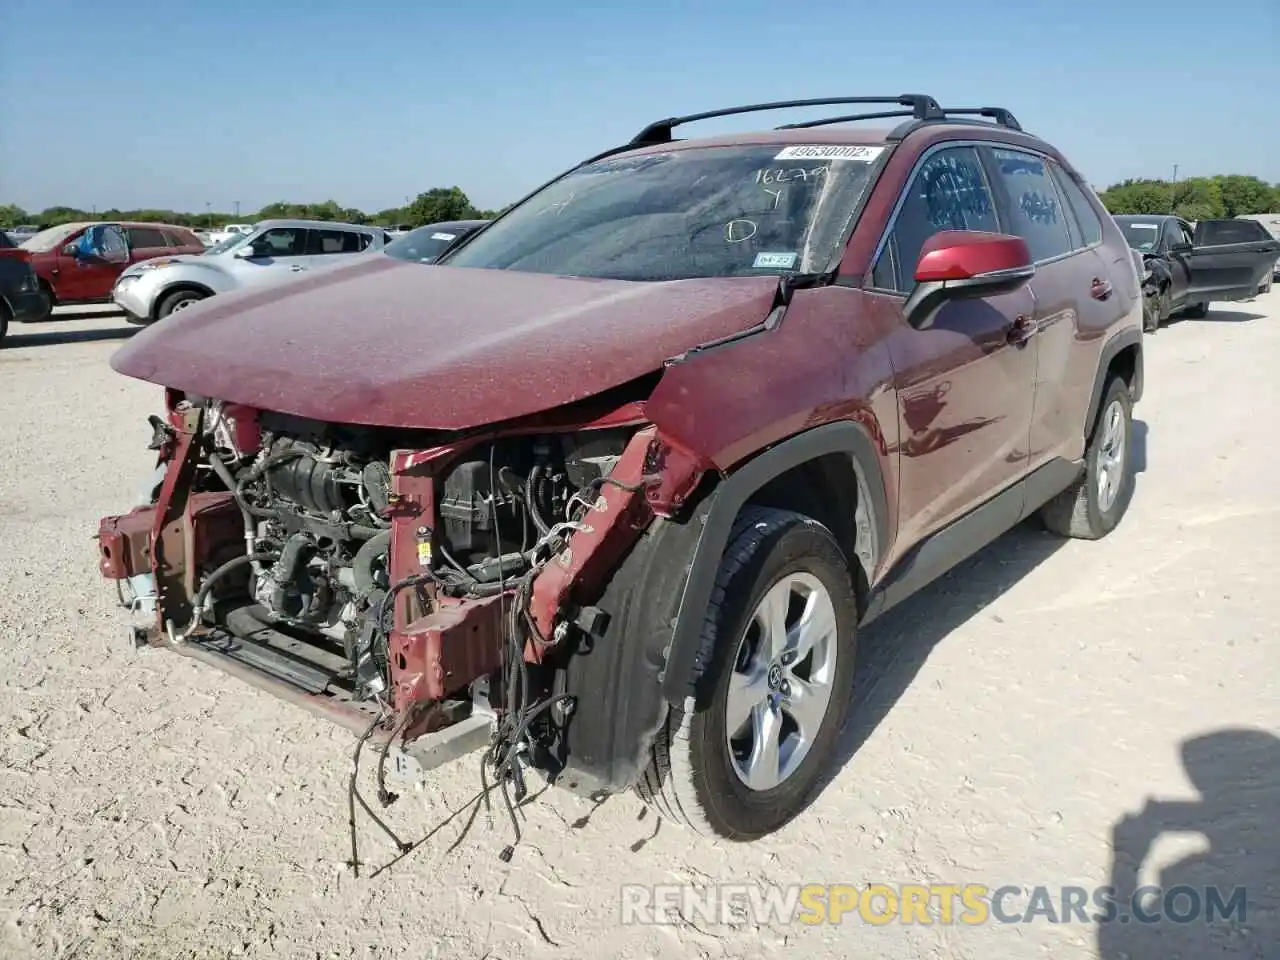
<point>145,238</point>
<point>1032,201</point>
<point>1212,233</point>
<point>324,242</point>
<point>947,191</point>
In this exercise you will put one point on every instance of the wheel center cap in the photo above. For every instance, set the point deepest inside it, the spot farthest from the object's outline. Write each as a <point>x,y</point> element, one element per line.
<point>775,676</point>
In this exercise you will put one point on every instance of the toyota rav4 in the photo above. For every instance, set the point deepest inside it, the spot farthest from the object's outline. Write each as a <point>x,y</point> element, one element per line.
<point>609,491</point>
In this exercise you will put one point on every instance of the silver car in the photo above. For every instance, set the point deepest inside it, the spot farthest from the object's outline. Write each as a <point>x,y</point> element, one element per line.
<point>274,250</point>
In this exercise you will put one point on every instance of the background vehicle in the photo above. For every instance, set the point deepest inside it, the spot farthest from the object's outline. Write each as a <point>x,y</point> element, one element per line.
<point>1214,260</point>
<point>70,272</point>
<point>21,298</point>
<point>22,233</point>
<point>625,470</point>
<point>269,252</point>
<point>1271,222</point>
<point>227,232</point>
<point>426,243</point>
<point>10,248</point>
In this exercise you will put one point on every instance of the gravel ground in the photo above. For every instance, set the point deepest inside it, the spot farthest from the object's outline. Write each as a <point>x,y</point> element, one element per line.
<point>1013,722</point>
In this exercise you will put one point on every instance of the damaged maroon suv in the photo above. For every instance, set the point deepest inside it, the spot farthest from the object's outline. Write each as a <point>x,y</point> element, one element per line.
<point>608,492</point>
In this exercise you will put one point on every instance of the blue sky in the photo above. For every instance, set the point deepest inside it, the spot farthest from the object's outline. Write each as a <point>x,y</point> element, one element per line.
<point>143,103</point>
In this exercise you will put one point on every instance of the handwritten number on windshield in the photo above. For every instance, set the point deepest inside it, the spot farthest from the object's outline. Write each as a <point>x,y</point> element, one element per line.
<point>739,231</point>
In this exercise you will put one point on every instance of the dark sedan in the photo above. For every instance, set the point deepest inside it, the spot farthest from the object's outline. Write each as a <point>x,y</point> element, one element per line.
<point>425,244</point>
<point>1188,267</point>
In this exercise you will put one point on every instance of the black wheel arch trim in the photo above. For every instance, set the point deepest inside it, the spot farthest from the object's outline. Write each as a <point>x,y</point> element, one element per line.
<point>174,288</point>
<point>685,662</point>
<point>1128,337</point>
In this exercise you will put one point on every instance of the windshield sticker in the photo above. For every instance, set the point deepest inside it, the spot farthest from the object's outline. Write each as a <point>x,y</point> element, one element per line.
<point>774,261</point>
<point>444,236</point>
<point>1145,226</point>
<point>829,151</point>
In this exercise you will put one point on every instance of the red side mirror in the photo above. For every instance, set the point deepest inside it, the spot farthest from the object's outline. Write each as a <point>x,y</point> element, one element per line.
<point>964,265</point>
<point>967,254</point>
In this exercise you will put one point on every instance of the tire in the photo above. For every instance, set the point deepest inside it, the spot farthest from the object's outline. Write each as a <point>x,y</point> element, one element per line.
<point>50,301</point>
<point>1150,314</point>
<point>1196,311</point>
<point>179,299</point>
<point>695,777</point>
<point>1084,510</point>
<point>4,321</point>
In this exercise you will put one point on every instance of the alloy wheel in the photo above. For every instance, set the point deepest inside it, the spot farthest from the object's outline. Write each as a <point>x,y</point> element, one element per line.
<point>1111,456</point>
<point>782,680</point>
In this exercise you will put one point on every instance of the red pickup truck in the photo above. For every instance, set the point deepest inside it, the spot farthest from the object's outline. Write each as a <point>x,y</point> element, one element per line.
<point>68,275</point>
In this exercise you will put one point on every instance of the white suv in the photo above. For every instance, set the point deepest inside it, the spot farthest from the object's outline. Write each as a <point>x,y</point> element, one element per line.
<point>272,251</point>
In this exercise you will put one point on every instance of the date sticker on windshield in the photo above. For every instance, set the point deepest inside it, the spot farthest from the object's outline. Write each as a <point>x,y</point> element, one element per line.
<point>443,236</point>
<point>774,261</point>
<point>829,151</point>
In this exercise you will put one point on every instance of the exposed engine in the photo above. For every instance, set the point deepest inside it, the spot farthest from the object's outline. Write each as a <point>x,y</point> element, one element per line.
<point>320,497</point>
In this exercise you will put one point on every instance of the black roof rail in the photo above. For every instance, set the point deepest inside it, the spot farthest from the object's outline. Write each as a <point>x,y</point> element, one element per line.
<point>923,107</point>
<point>1000,116</point>
<point>883,114</point>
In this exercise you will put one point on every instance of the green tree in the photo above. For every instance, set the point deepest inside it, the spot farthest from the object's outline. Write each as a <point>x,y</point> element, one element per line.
<point>1198,198</point>
<point>1138,196</point>
<point>12,215</point>
<point>1242,194</point>
<point>440,203</point>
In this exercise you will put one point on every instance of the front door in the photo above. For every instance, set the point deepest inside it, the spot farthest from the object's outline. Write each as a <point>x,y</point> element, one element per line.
<point>1174,246</point>
<point>89,263</point>
<point>278,253</point>
<point>965,384</point>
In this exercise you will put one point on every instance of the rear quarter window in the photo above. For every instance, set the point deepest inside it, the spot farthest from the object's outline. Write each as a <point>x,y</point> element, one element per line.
<point>1086,217</point>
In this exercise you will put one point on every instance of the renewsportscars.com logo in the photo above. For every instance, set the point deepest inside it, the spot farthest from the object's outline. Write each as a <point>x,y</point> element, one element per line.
<point>969,904</point>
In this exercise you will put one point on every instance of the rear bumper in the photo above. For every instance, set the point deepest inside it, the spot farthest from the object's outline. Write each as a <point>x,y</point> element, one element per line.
<point>29,306</point>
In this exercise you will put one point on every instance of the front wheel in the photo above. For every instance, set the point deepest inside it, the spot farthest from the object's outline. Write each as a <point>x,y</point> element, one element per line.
<point>781,631</point>
<point>178,300</point>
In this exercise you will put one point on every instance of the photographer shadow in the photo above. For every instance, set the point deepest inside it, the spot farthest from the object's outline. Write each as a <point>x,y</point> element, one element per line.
<point>1220,902</point>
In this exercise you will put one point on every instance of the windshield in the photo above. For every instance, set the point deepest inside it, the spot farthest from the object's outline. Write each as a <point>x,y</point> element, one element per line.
<point>702,212</point>
<point>53,237</point>
<point>424,244</point>
<point>1140,235</point>
<point>227,243</point>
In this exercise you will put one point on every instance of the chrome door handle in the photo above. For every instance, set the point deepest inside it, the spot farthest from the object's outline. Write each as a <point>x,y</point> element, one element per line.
<point>297,268</point>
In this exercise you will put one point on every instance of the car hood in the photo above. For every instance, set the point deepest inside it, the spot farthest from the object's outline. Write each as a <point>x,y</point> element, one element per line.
<point>380,341</point>
<point>165,260</point>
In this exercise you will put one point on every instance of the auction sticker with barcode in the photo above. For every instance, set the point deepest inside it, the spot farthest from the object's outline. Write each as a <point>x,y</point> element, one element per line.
<point>829,151</point>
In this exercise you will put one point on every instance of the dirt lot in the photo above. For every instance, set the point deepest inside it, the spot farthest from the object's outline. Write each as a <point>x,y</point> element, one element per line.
<point>1009,719</point>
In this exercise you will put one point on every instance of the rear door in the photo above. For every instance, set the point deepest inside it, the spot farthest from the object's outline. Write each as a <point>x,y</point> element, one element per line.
<point>327,246</point>
<point>1229,259</point>
<point>146,243</point>
<point>1078,288</point>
